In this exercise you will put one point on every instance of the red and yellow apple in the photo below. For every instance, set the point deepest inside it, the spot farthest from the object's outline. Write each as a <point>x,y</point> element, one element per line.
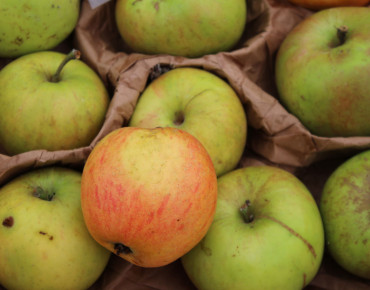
<point>148,195</point>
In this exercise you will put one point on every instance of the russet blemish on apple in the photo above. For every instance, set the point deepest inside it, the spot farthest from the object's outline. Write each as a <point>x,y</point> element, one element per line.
<point>8,222</point>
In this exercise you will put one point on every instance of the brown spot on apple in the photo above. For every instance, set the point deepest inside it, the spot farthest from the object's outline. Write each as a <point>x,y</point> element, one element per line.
<point>358,199</point>
<point>156,5</point>
<point>53,36</point>
<point>8,222</point>
<point>18,40</point>
<point>46,234</point>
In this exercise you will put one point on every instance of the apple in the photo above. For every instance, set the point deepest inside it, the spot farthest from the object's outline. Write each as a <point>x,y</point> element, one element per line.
<point>47,103</point>
<point>200,103</point>
<point>267,233</point>
<point>189,28</point>
<point>33,25</point>
<point>44,241</point>
<point>345,210</point>
<point>324,4</point>
<point>322,70</point>
<point>148,195</point>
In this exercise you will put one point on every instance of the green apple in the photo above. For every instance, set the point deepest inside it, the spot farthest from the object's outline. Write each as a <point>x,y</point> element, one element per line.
<point>322,72</point>
<point>200,103</point>
<point>48,104</point>
<point>33,25</point>
<point>189,28</point>
<point>44,240</point>
<point>267,233</point>
<point>148,195</point>
<point>345,210</point>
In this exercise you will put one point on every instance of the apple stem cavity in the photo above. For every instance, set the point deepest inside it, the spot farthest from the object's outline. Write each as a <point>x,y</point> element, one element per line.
<point>179,118</point>
<point>43,194</point>
<point>121,249</point>
<point>245,211</point>
<point>341,33</point>
<point>74,54</point>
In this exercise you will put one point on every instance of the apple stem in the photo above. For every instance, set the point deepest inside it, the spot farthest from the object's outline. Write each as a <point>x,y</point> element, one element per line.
<point>74,54</point>
<point>245,211</point>
<point>341,33</point>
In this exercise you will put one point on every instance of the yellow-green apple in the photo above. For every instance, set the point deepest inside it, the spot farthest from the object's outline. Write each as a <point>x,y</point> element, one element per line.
<point>148,195</point>
<point>47,103</point>
<point>345,210</point>
<point>189,28</point>
<point>325,4</point>
<point>322,70</point>
<point>200,103</point>
<point>44,240</point>
<point>33,25</point>
<point>267,233</point>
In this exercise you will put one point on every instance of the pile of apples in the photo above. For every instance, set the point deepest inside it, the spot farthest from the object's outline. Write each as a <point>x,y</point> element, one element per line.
<point>168,185</point>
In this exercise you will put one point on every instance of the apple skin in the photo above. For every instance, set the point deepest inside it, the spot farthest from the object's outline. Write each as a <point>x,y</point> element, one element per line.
<point>33,25</point>
<point>325,4</point>
<point>148,195</point>
<point>200,103</point>
<point>189,28</point>
<point>45,244</point>
<point>324,84</point>
<point>345,210</point>
<point>281,248</point>
<point>38,114</point>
